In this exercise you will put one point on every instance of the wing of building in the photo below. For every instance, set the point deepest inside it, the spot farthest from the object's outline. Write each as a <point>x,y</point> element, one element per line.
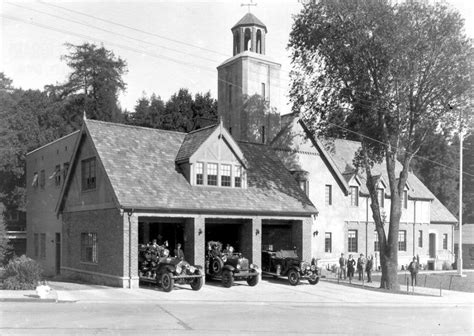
<point>326,171</point>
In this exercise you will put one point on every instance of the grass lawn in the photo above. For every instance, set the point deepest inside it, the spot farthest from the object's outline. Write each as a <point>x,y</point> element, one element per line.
<point>446,280</point>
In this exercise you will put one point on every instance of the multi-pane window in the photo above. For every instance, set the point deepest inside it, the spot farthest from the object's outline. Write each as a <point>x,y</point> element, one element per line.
<point>352,241</point>
<point>43,245</point>
<point>57,175</point>
<point>420,238</point>
<point>445,241</point>
<point>225,175</point>
<point>212,174</point>
<point>35,180</point>
<point>42,179</point>
<point>405,199</point>
<point>238,176</point>
<point>65,169</point>
<point>354,196</point>
<point>402,240</point>
<point>304,186</point>
<point>89,247</point>
<point>199,173</point>
<point>88,174</point>
<point>380,197</point>
<point>328,194</point>
<point>328,242</point>
<point>376,242</point>
<point>36,244</point>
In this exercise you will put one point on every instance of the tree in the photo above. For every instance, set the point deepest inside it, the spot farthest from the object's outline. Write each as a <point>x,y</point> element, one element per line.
<point>204,110</point>
<point>28,122</point>
<point>93,85</point>
<point>442,179</point>
<point>392,73</point>
<point>148,112</point>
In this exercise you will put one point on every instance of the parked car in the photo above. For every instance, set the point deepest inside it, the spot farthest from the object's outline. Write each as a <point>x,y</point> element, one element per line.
<point>228,266</point>
<point>285,263</point>
<point>156,266</point>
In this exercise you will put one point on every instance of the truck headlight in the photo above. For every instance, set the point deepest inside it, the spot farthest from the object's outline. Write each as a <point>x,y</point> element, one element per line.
<point>179,269</point>
<point>238,266</point>
<point>192,269</point>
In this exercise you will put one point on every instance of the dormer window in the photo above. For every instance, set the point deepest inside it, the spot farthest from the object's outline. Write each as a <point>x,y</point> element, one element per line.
<point>238,177</point>
<point>225,175</point>
<point>380,197</point>
<point>200,173</point>
<point>355,196</point>
<point>212,174</point>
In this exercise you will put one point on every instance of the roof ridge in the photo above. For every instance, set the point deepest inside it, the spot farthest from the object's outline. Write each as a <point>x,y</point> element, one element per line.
<point>134,126</point>
<point>202,129</point>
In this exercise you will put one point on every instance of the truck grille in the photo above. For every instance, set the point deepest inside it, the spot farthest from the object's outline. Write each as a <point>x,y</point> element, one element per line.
<point>244,264</point>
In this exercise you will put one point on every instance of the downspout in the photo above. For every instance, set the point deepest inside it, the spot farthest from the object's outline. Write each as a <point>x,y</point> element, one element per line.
<point>414,223</point>
<point>367,227</point>
<point>129,214</point>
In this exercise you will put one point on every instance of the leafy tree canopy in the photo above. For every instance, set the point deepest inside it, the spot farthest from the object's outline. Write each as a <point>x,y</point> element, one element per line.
<point>387,74</point>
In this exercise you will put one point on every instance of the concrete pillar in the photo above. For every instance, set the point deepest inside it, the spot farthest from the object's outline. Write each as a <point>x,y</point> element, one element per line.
<point>251,238</point>
<point>254,39</point>
<point>130,252</point>
<point>301,235</point>
<point>263,42</point>
<point>242,39</point>
<point>194,244</point>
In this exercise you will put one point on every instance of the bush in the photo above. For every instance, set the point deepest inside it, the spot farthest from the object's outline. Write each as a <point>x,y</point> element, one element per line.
<point>22,273</point>
<point>447,266</point>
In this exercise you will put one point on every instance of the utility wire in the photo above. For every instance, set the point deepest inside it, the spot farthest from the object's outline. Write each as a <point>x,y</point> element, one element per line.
<point>131,28</point>
<point>112,32</point>
<point>168,58</point>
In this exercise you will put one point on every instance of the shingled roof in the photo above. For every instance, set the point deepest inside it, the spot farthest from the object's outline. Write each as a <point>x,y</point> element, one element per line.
<point>250,20</point>
<point>140,165</point>
<point>192,141</point>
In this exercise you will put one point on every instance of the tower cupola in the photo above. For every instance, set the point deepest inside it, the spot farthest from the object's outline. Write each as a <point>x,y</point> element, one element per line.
<point>249,35</point>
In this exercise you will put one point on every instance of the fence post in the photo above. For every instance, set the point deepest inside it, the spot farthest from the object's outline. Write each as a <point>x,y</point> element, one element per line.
<point>408,286</point>
<point>440,294</point>
<point>426,275</point>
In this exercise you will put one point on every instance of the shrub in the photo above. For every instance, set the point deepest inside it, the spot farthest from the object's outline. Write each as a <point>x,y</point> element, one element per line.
<point>22,273</point>
<point>447,266</point>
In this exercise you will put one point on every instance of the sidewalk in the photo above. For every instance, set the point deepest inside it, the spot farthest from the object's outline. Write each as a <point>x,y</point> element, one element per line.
<point>327,292</point>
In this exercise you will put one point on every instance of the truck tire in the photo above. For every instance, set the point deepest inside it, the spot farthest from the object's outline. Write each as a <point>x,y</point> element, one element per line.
<point>294,277</point>
<point>167,282</point>
<point>197,282</point>
<point>253,280</point>
<point>227,278</point>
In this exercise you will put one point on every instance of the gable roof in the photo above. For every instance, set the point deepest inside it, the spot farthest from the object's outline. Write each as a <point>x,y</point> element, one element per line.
<point>440,214</point>
<point>192,141</point>
<point>140,165</point>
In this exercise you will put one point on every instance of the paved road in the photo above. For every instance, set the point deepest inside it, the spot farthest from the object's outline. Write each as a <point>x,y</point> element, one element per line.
<point>271,308</point>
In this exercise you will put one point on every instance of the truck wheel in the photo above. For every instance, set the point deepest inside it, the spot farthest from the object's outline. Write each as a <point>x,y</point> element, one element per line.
<point>216,266</point>
<point>253,281</point>
<point>293,277</point>
<point>167,282</point>
<point>197,282</point>
<point>227,278</point>
<point>314,280</point>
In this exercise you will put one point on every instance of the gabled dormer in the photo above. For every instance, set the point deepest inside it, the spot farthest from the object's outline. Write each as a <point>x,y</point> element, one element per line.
<point>210,157</point>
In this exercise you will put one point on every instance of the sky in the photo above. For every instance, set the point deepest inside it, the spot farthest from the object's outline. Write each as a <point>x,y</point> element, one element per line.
<point>167,45</point>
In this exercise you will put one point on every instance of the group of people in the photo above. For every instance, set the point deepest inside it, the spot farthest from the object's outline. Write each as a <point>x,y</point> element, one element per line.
<point>348,266</point>
<point>152,252</point>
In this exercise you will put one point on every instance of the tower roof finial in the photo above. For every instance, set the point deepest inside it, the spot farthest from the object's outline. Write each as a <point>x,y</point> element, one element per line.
<point>248,4</point>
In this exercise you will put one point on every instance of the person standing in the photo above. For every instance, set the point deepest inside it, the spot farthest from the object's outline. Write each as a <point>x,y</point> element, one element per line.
<point>368,268</point>
<point>178,252</point>
<point>414,267</point>
<point>350,267</point>
<point>342,267</point>
<point>361,266</point>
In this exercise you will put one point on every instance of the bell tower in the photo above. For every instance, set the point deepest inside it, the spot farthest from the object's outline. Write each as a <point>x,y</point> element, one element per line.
<point>249,85</point>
